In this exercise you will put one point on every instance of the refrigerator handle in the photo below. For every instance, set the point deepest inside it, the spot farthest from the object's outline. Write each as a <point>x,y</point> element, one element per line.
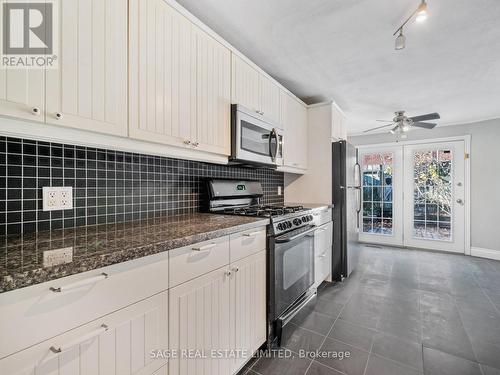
<point>358,183</point>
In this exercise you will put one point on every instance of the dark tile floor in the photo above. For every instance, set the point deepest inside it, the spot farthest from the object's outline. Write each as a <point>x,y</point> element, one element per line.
<point>401,312</point>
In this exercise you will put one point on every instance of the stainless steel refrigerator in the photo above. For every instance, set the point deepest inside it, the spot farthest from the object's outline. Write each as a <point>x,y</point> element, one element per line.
<point>346,197</point>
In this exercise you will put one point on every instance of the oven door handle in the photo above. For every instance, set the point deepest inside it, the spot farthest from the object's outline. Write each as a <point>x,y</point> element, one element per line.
<point>284,239</point>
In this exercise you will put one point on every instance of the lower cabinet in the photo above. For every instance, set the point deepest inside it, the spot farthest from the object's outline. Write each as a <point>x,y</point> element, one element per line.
<point>248,306</point>
<point>118,343</point>
<point>323,253</point>
<point>218,320</point>
<point>199,323</point>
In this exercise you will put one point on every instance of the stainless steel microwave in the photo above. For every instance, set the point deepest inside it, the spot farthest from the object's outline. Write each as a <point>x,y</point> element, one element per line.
<point>254,138</point>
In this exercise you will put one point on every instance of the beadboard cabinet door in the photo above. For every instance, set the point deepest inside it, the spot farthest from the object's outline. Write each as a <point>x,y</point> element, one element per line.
<point>269,93</point>
<point>22,90</point>
<point>118,343</point>
<point>294,118</point>
<point>245,84</point>
<point>248,305</point>
<point>162,74</point>
<point>88,90</point>
<point>213,96</point>
<point>199,323</point>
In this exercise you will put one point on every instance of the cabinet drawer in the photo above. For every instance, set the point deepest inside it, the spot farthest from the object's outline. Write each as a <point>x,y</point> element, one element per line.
<point>192,261</point>
<point>118,343</point>
<point>322,216</point>
<point>247,243</point>
<point>37,313</point>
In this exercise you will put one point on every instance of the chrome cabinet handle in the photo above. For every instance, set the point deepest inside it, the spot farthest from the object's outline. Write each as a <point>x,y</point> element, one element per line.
<point>78,284</point>
<point>204,248</point>
<point>251,234</point>
<point>59,349</point>
<point>322,255</point>
<point>460,201</point>
<point>59,115</point>
<point>228,273</point>
<point>35,111</point>
<point>196,144</point>
<point>235,269</point>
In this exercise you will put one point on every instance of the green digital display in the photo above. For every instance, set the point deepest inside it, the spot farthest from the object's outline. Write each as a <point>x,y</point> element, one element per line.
<point>241,187</point>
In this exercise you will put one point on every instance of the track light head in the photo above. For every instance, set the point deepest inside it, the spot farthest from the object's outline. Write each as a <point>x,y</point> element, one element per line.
<point>422,12</point>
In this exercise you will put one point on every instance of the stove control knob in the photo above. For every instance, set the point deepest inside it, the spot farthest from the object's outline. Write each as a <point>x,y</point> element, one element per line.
<point>289,224</point>
<point>280,226</point>
<point>297,221</point>
<point>310,217</point>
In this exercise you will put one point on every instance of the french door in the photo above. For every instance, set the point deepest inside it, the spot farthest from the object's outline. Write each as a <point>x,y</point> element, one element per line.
<point>413,195</point>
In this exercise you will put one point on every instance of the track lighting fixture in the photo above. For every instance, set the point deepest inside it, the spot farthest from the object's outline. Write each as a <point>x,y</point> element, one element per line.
<point>420,15</point>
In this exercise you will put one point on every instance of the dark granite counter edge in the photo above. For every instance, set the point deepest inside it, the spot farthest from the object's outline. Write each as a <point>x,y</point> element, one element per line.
<point>20,280</point>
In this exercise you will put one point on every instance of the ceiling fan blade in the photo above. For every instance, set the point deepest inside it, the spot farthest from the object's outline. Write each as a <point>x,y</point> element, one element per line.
<point>378,127</point>
<point>430,116</point>
<point>424,125</point>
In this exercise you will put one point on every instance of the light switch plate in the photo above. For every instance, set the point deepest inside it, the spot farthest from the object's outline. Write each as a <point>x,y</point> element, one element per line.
<point>56,257</point>
<point>57,198</point>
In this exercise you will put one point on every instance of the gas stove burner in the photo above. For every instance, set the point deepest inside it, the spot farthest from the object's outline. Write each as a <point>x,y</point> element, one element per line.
<point>264,210</point>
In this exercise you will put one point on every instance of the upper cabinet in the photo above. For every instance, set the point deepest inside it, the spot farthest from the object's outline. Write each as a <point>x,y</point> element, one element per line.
<point>179,80</point>
<point>245,84</point>
<point>255,90</point>
<point>22,93</point>
<point>89,88</point>
<point>213,96</point>
<point>270,99</point>
<point>294,118</point>
<point>339,126</point>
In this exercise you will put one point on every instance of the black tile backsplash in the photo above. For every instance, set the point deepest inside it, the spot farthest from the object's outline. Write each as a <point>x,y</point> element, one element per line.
<point>108,186</point>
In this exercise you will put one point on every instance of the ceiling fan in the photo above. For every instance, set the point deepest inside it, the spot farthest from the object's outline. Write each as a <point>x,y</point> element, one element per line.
<point>403,124</point>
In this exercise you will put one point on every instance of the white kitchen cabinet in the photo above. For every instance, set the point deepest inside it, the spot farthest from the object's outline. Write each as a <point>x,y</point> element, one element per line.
<point>179,81</point>
<point>88,90</point>
<point>323,253</point>
<point>339,123</point>
<point>199,323</point>
<point>118,343</point>
<point>213,96</point>
<point>269,94</point>
<point>294,119</point>
<point>248,306</point>
<point>245,84</point>
<point>255,90</point>
<point>162,74</point>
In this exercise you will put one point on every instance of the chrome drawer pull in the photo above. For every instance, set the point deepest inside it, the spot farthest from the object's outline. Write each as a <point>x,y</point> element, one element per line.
<point>56,350</point>
<point>204,248</point>
<point>78,284</point>
<point>251,234</point>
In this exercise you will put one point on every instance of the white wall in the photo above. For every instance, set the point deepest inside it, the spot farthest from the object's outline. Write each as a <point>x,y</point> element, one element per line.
<point>485,177</point>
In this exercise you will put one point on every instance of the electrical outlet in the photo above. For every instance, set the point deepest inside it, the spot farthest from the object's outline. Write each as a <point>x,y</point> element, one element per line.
<point>57,198</point>
<point>56,257</point>
<point>279,190</point>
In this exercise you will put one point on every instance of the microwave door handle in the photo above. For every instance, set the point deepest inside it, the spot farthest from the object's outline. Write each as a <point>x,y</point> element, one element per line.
<point>273,148</point>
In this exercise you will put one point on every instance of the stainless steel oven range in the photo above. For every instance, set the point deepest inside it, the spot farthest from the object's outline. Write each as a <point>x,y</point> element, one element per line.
<point>290,255</point>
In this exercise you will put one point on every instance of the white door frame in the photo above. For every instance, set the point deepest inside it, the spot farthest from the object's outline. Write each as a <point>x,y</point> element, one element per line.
<point>467,146</point>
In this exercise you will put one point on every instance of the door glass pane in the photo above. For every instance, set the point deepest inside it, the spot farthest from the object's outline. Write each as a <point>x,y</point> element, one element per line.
<point>432,209</point>
<point>377,193</point>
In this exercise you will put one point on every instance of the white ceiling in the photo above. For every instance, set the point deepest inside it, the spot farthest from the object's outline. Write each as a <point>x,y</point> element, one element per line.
<point>343,50</point>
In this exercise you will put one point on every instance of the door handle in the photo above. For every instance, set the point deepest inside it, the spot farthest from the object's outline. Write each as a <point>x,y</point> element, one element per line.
<point>460,201</point>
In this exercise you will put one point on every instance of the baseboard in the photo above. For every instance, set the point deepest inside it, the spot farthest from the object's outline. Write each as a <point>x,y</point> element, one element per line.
<point>485,253</point>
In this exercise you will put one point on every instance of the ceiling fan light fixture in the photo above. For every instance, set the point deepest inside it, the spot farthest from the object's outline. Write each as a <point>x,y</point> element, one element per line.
<point>400,41</point>
<point>422,12</point>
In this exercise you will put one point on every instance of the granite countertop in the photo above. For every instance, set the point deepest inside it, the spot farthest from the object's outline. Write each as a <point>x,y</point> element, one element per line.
<point>21,256</point>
